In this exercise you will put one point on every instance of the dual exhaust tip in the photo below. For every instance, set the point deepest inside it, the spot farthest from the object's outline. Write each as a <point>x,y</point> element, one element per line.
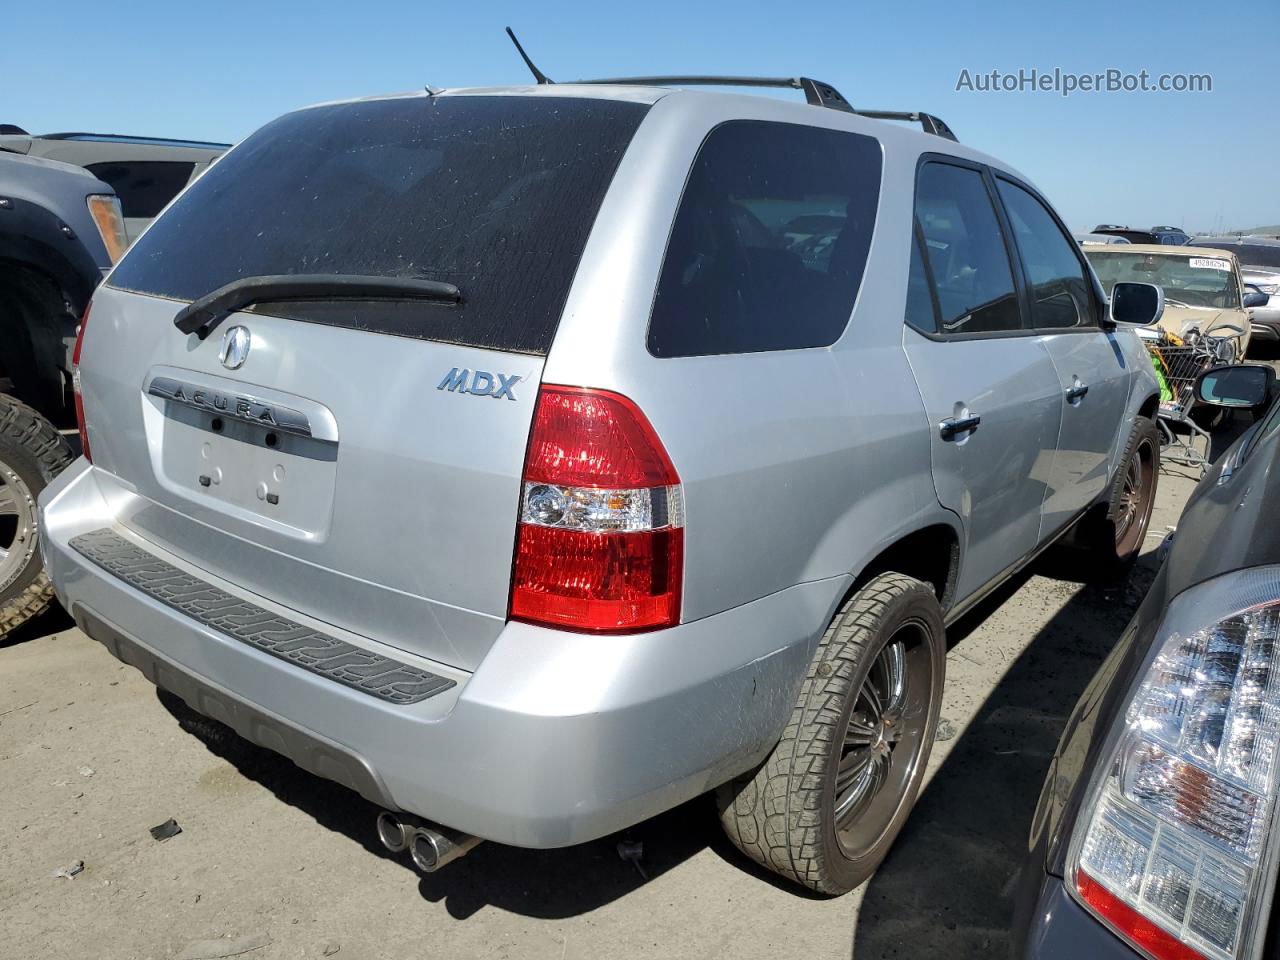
<point>430,846</point>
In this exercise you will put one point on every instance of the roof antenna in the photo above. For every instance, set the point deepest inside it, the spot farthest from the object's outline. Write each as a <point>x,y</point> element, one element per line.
<point>537,74</point>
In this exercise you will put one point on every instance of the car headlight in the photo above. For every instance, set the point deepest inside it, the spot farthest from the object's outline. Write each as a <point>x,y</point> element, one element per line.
<point>1172,847</point>
<point>105,210</point>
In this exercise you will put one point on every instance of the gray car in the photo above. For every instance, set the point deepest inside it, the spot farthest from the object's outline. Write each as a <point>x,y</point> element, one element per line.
<point>535,459</point>
<point>1155,834</point>
<point>1259,267</point>
<point>145,172</point>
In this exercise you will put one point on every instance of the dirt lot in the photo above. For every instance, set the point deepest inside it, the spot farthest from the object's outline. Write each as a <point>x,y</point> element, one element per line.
<point>91,757</point>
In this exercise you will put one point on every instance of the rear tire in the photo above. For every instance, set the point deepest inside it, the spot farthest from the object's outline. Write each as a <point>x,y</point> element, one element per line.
<point>32,453</point>
<point>1112,536</point>
<point>825,807</point>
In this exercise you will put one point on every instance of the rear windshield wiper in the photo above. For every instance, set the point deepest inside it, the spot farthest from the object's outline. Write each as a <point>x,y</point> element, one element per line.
<point>201,316</point>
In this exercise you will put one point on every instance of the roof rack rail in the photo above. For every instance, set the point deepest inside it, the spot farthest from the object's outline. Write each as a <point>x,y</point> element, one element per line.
<point>127,138</point>
<point>928,122</point>
<point>816,92</point>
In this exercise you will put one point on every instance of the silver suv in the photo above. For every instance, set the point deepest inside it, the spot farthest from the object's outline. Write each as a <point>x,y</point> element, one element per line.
<point>534,459</point>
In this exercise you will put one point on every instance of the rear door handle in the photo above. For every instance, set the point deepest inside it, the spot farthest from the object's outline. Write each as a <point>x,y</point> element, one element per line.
<point>1077,392</point>
<point>952,426</point>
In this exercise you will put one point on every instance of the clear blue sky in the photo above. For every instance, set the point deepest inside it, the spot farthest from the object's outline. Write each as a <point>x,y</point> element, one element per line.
<point>217,70</point>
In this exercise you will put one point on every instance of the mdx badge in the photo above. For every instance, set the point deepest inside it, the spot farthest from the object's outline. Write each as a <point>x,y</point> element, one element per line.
<point>235,347</point>
<point>480,383</point>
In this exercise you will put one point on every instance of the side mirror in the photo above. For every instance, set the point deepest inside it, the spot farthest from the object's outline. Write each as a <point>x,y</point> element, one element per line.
<point>1240,385</point>
<point>1137,304</point>
<point>1254,297</point>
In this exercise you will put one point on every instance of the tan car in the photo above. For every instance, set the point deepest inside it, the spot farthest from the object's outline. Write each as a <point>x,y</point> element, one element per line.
<point>1202,287</point>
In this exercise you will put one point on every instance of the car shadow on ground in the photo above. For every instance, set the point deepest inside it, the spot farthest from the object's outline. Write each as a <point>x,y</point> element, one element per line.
<point>54,620</point>
<point>946,888</point>
<point>547,884</point>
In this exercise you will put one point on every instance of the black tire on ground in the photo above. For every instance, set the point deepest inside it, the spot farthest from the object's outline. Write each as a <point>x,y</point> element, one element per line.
<point>783,815</point>
<point>32,453</point>
<point>1113,534</point>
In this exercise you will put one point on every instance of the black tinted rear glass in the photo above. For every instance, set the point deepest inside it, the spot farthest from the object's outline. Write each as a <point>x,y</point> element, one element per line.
<point>144,186</point>
<point>1249,254</point>
<point>770,241</point>
<point>493,194</point>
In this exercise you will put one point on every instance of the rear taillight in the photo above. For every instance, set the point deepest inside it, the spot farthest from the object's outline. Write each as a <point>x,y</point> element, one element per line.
<point>75,383</point>
<point>1174,845</point>
<point>600,545</point>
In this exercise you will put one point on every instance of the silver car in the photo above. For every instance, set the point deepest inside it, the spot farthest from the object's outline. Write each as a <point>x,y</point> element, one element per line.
<point>534,459</point>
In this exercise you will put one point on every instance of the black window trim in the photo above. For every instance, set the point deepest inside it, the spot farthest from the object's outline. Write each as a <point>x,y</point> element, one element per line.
<point>1099,302</point>
<point>1015,266</point>
<point>684,186</point>
<point>921,249</point>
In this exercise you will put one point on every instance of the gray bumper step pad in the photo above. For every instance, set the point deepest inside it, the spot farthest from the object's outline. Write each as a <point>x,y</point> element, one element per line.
<point>312,650</point>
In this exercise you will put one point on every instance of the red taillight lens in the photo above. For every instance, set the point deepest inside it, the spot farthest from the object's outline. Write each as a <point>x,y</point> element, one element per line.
<point>75,383</point>
<point>600,545</point>
<point>593,438</point>
<point>1134,926</point>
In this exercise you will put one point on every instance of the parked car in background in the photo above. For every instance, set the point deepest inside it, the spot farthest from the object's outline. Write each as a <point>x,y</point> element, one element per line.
<point>1170,236</point>
<point>1202,287</point>
<point>646,441</point>
<point>1155,835</point>
<point>1259,265</point>
<point>60,231</point>
<point>145,172</point>
<point>1098,238</point>
<point>1127,233</point>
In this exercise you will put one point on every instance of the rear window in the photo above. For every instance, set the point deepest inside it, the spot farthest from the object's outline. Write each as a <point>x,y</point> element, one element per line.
<point>770,241</point>
<point>143,186</point>
<point>493,194</point>
<point>1249,254</point>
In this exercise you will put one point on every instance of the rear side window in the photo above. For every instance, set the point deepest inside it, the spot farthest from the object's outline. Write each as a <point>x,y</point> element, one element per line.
<point>770,241</point>
<point>967,255</point>
<point>494,194</point>
<point>1059,289</point>
<point>143,186</point>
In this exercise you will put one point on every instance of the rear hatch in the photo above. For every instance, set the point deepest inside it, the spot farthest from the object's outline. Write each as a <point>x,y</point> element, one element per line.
<point>356,460</point>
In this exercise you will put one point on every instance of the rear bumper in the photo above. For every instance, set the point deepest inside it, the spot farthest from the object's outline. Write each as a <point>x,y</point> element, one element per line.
<point>1061,929</point>
<point>556,739</point>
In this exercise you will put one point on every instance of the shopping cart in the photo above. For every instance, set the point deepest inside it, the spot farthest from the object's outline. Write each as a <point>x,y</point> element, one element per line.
<point>1178,362</point>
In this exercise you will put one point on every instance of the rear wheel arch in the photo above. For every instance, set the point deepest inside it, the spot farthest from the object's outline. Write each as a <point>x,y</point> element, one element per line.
<point>930,554</point>
<point>1150,406</point>
<point>35,319</point>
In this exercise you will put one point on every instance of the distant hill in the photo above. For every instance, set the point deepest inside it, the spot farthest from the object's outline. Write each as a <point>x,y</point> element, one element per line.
<point>1273,228</point>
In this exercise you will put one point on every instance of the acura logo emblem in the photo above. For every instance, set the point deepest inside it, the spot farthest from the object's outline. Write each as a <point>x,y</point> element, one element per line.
<point>235,347</point>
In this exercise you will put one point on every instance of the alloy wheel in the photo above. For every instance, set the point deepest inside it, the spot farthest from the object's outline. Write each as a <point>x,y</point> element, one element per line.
<point>17,525</point>
<point>883,739</point>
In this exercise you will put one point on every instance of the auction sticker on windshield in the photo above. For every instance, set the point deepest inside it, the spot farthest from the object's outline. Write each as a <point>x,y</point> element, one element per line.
<point>1210,263</point>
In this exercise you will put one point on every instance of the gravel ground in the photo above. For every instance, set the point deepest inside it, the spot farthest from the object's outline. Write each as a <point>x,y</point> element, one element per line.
<point>274,863</point>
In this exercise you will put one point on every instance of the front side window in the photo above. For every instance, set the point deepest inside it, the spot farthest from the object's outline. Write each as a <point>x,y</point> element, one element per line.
<point>966,250</point>
<point>769,243</point>
<point>1188,281</point>
<point>1059,288</point>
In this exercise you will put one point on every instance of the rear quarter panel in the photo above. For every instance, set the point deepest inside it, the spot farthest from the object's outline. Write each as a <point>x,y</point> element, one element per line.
<point>797,465</point>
